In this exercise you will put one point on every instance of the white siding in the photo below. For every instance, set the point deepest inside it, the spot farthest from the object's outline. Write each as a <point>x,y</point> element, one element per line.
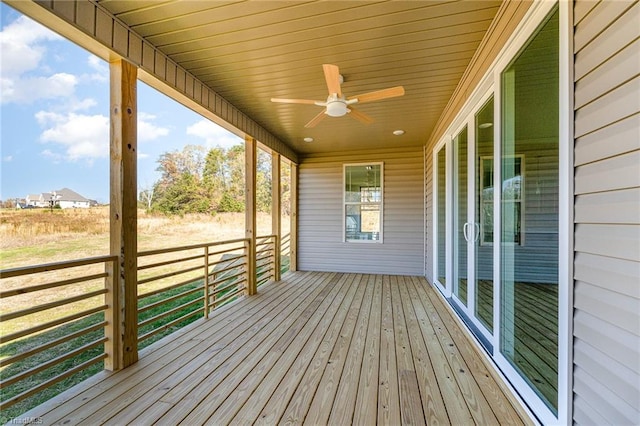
<point>320,221</point>
<point>606,385</point>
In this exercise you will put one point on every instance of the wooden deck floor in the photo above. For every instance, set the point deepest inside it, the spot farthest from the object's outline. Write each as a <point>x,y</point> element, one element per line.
<point>314,348</point>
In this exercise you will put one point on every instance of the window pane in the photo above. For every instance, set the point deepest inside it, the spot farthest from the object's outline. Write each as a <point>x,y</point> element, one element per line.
<point>460,216</point>
<point>484,216</point>
<point>362,222</point>
<point>363,202</point>
<point>362,183</point>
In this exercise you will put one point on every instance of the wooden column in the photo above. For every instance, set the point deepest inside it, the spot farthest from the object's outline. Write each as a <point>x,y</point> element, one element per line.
<point>250,155</point>
<point>122,313</point>
<point>276,211</point>
<point>293,244</point>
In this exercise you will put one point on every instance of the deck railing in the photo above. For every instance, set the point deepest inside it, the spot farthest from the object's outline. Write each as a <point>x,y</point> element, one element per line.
<point>63,316</point>
<point>265,258</point>
<point>171,281</point>
<point>63,312</point>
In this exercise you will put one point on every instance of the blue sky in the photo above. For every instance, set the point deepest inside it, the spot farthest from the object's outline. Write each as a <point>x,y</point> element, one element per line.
<point>54,116</point>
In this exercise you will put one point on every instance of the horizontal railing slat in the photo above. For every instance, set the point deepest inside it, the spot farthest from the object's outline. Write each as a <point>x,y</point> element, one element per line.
<point>50,324</point>
<point>169,299</point>
<point>167,325</point>
<point>190,247</point>
<point>51,344</point>
<point>52,381</point>
<point>169,312</point>
<point>57,360</point>
<point>28,270</point>
<point>50,305</point>
<point>39,287</point>
<point>169,262</point>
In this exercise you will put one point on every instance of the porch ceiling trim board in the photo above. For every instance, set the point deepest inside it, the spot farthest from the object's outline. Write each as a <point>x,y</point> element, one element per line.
<point>91,26</point>
<point>325,347</point>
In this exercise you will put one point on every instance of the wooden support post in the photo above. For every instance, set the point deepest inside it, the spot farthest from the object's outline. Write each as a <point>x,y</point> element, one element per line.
<point>250,155</point>
<point>122,344</point>
<point>293,239</point>
<point>276,212</point>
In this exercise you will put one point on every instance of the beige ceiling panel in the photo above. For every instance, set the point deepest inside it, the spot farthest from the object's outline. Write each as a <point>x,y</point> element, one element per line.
<point>249,52</point>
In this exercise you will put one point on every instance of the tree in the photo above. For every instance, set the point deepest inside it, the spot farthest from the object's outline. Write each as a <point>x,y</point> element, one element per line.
<point>197,180</point>
<point>146,197</point>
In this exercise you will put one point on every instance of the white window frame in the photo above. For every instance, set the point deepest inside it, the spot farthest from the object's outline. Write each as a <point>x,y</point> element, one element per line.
<point>346,203</point>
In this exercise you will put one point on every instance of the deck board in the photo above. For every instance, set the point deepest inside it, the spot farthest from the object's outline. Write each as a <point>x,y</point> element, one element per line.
<point>314,348</point>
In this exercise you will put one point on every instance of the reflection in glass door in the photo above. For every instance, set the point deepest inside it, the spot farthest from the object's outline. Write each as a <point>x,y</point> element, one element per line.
<point>441,222</point>
<point>529,169</point>
<point>460,224</point>
<point>482,230</point>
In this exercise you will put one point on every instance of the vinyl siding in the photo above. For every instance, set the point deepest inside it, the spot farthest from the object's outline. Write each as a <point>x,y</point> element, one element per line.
<point>320,210</point>
<point>606,351</point>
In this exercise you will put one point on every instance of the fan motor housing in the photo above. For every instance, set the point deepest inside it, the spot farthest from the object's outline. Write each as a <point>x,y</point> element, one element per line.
<point>336,108</point>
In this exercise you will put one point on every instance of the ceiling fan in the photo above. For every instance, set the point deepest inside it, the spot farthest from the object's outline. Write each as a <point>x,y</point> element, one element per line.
<point>337,104</point>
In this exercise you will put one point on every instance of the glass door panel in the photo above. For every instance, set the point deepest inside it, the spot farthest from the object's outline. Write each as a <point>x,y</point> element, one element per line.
<point>441,222</point>
<point>461,228</point>
<point>483,216</point>
<point>529,214</point>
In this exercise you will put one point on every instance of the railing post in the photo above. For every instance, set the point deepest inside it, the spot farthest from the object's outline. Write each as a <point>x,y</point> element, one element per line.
<point>276,228</point>
<point>250,253</point>
<point>250,153</point>
<point>206,282</point>
<point>112,315</point>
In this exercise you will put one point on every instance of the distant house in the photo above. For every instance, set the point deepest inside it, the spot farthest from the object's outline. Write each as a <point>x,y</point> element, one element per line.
<point>36,200</point>
<point>65,198</point>
<point>68,199</point>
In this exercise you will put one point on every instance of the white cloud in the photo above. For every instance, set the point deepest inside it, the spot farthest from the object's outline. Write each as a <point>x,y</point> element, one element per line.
<point>101,68</point>
<point>80,136</point>
<point>76,105</point>
<point>7,158</point>
<point>147,130</point>
<point>52,156</point>
<point>29,89</point>
<point>213,134</point>
<point>22,46</point>
<point>19,45</point>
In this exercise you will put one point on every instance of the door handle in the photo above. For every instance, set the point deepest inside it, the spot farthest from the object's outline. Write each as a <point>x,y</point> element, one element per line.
<point>476,227</point>
<point>464,231</point>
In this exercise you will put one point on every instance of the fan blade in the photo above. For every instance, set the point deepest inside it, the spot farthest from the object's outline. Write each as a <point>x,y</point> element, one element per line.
<point>360,116</point>
<point>294,101</point>
<point>315,120</point>
<point>332,75</point>
<point>391,92</point>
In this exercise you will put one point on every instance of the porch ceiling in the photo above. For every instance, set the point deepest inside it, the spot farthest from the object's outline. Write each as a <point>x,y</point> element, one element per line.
<point>249,52</point>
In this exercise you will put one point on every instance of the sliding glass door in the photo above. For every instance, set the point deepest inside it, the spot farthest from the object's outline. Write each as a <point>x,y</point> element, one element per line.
<point>497,181</point>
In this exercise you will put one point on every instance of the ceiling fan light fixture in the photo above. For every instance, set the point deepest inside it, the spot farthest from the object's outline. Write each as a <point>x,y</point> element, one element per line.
<point>336,109</point>
<point>398,132</point>
<point>308,140</point>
